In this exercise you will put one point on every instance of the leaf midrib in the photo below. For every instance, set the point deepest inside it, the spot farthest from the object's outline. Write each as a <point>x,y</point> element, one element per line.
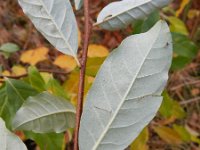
<point>45,115</point>
<point>115,16</point>
<point>63,37</point>
<point>123,100</point>
<point>8,81</point>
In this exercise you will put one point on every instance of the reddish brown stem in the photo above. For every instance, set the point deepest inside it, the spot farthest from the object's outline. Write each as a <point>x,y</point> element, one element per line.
<point>87,29</point>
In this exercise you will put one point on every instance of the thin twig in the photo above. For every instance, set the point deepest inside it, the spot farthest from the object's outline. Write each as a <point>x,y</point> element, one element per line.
<point>87,29</point>
<point>185,84</point>
<point>40,70</point>
<point>197,99</point>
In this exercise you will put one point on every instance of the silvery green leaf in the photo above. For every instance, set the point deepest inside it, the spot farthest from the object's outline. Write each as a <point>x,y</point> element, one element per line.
<point>118,15</point>
<point>78,4</point>
<point>126,93</point>
<point>45,113</point>
<point>56,21</point>
<point>8,140</point>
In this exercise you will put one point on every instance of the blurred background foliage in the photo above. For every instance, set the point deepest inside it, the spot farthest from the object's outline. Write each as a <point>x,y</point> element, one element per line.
<point>30,65</point>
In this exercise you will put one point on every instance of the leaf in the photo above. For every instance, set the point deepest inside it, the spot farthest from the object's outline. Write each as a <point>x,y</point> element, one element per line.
<point>183,5</point>
<point>184,49</point>
<point>71,86</point>
<point>55,88</point>
<point>12,96</point>
<point>93,65</point>
<point>141,26</point>
<point>78,4</point>
<point>183,46</point>
<point>179,62</point>
<point>44,113</point>
<point>34,56</point>
<point>18,70</point>
<point>177,25</point>
<point>65,62</point>
<point>48,141</point>
<point>36,79</point>
<point>125,95</point>
<point>140,142</point>
<point>9,48</point>
<point>118,15</point>
<point>168,135</point>
<point>171,108</point>
<point>183,133</point>
<point>56,21</point>
<point>8,140</point>
<point>95,50</point>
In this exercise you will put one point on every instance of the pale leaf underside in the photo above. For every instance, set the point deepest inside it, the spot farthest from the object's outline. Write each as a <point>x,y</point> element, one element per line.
<point>56,21</point>
<point>118,15</point>
<point>45,113</point>
<point>127,91</point>
<point>9,141</point>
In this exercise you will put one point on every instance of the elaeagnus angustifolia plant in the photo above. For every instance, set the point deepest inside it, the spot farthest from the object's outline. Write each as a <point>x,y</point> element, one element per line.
<point>126,93</point>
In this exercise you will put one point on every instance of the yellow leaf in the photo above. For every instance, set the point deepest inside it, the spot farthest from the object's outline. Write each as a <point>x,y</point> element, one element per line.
<point>65,62</point>
<point>46,76</point>
<point>34,56</point>
<point>169,135</point>
<point>193,13</point>
<point>182,6</point>
<point>6,73</point>
<point>97,51</point>
<point>140,142</point>
<point>71,86</point>
<point>177,25</point>
<point>18,70</point>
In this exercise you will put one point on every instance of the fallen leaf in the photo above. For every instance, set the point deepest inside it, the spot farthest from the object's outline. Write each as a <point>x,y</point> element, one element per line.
<point>65,62</point>
<point>95,50</point>
<point>71,86</point>
<point>140,142</point>
<point>34,56</point>
<point>18,70</point>
<point>169,135</point>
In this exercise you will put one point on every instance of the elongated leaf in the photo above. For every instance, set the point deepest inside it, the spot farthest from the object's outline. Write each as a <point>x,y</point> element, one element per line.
<point>118,15</point>
<point>12,96</point>
<point>9,141</point>
<point>78,4</point>
<point>45,113</point>
<point>56,21</point>
<point>127,91</point>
